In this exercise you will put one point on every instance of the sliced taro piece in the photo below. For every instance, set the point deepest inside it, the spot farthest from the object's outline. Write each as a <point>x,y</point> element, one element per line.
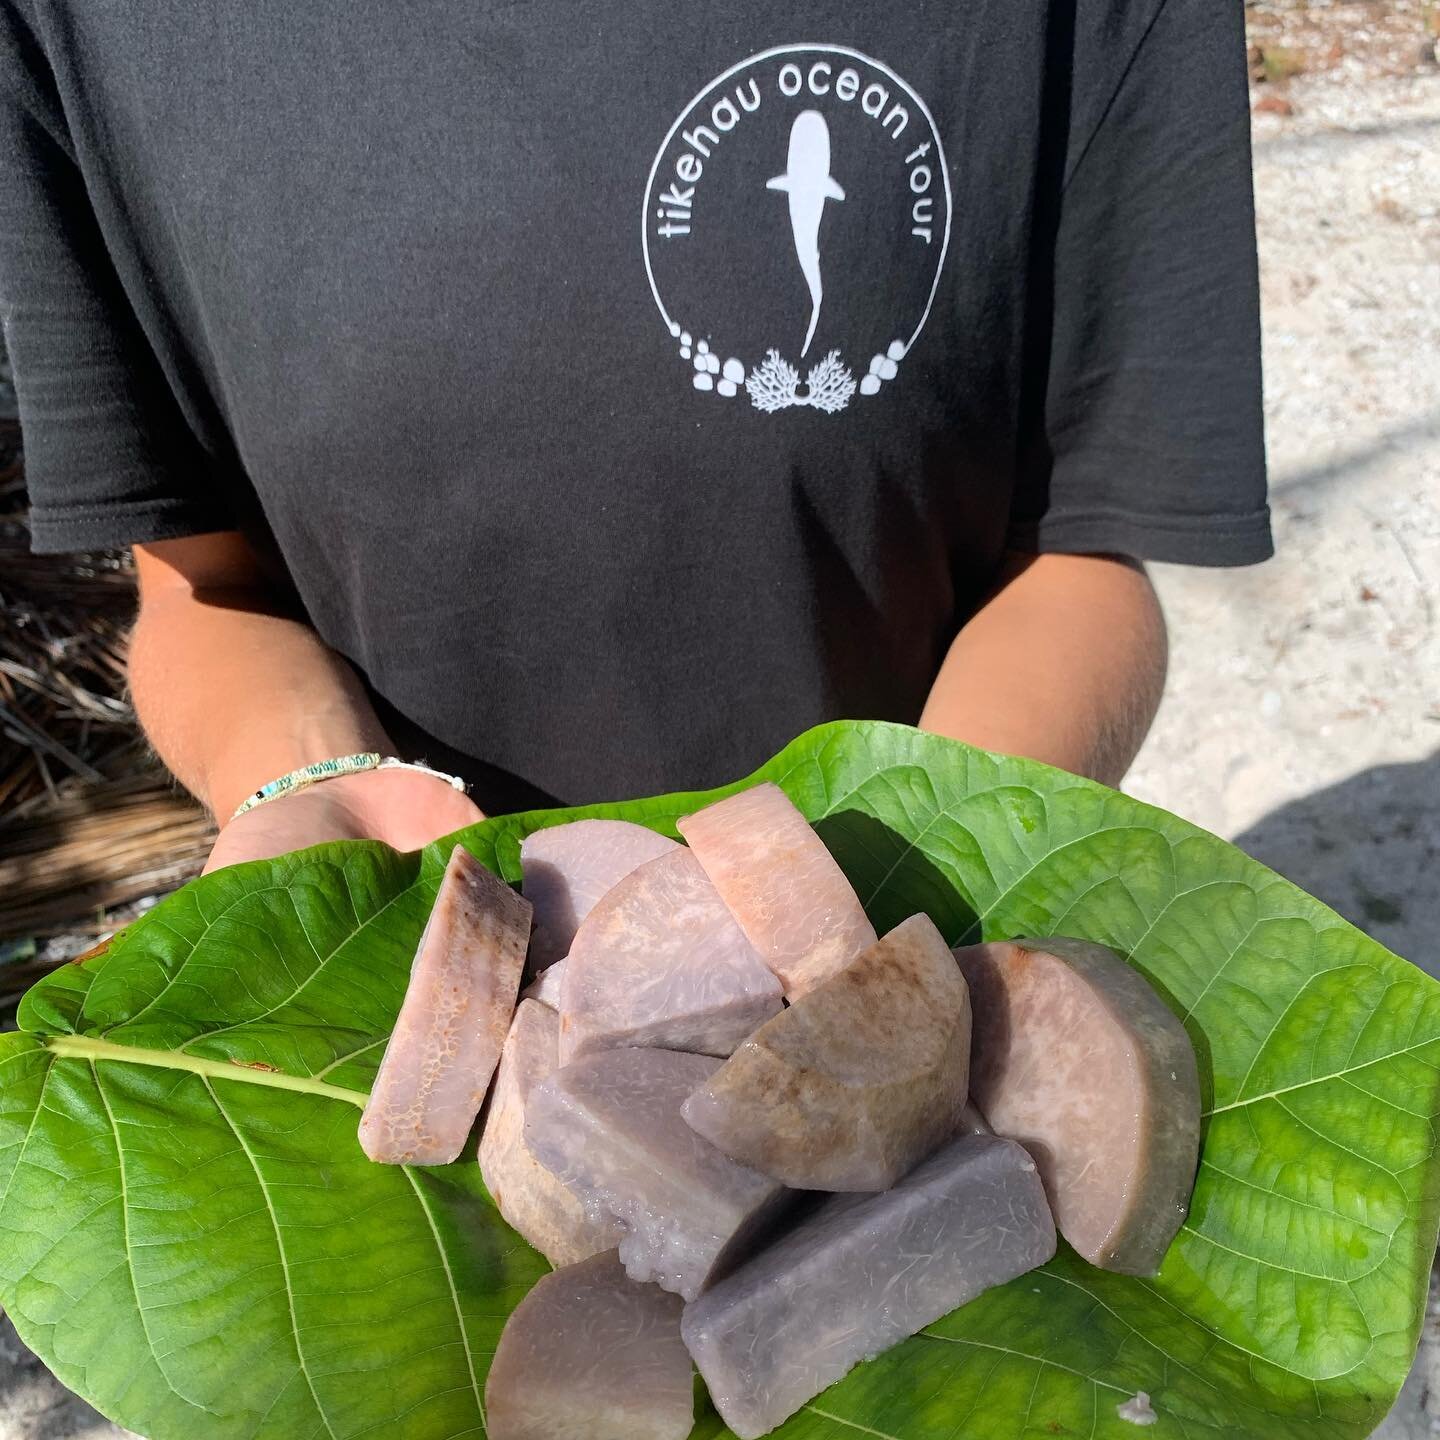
<point>660,961</point>
<point>530,1198</point>
<point>858,1080</point>
<point>591,1353</point>
<point>452,1023</point>
<point>862,1273</point>
<point>784,887</point>
<point>1077,1058</point>
<point>609,1126</point>
<point>568,868</point>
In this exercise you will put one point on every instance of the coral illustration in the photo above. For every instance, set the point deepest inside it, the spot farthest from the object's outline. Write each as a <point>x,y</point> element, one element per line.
<point>775,384</point>
<point>830,384</point>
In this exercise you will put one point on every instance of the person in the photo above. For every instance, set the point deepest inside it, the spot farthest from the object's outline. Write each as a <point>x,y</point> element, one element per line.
<point>589,400</point>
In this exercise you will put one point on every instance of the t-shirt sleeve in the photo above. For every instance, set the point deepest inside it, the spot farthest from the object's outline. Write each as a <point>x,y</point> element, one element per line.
<point>1146,432</point>
<point>109,456</point>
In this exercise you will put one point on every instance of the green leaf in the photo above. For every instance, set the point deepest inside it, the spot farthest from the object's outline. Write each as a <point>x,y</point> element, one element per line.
<point>191,1238</point>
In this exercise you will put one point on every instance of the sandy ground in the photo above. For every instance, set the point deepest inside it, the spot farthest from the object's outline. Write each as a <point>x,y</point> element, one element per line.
<point>1303,713</point>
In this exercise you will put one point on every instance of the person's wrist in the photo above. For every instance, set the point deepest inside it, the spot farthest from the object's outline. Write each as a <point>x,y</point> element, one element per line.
<point>384,802</point>
<point>247,762</point>
<point>405,809</point>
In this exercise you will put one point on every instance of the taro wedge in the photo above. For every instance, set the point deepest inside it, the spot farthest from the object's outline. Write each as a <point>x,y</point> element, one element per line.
<point>787,892</point>
<point>534,1202</point>
<point>1078,1059</point>
<point>609,1126</point>
<point>567,870</point>
<point>660,961</point>
<point>859,1080</point>
<point>591,1353</point>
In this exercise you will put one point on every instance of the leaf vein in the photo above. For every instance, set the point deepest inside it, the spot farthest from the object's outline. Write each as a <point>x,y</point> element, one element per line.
<point>1323,1079</point>
<point>1021,1355</point>
<point>280,1250</point>
<point>454,1294</point>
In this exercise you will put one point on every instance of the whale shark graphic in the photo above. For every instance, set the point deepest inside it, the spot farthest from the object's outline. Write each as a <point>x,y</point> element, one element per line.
<point>808,182</point>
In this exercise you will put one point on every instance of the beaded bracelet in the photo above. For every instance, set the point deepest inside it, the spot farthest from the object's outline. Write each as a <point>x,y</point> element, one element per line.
<point>308,775</point>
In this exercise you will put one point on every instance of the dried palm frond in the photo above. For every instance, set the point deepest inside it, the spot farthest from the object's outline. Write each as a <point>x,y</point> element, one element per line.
<point>95,850</point>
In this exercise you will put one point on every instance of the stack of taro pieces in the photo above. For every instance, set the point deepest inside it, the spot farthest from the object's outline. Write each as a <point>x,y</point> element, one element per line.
<point>732,1116</point>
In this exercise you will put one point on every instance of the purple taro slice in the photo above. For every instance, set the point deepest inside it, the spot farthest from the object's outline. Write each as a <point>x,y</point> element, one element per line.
<point>590,1354</point>
<point>1078,1059</point>
<point>792,900</point>
<point>859,1080</point>
<point>660,961</point>
<point>533,1201</point>
<point>457,1008</point>
<point>568,868</point>
<point>863,1273</point>
<point>609,1126</point>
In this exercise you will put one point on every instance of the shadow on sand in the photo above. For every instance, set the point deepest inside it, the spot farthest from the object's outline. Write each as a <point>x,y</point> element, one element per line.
<point>1368,847</point>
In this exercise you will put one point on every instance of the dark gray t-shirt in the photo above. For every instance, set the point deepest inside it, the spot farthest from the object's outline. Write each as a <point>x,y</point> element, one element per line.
<point>627,388</point>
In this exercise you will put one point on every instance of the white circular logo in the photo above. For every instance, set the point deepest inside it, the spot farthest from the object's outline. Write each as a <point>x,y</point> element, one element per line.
<point>795,227</point>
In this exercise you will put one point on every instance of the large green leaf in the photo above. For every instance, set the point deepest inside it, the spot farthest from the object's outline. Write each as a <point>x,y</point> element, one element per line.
<point>191,1238</point>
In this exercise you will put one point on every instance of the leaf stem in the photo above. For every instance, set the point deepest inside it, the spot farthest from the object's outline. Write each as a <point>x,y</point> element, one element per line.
<point>92,1047</point>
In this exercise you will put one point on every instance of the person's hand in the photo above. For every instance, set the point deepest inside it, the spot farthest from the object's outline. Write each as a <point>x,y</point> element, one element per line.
<point>401,807</point>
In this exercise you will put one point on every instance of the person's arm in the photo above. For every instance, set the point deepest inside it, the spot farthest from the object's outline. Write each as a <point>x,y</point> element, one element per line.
<point>1065,663</point>
<point>233,691</point>
<point>1141,426</point>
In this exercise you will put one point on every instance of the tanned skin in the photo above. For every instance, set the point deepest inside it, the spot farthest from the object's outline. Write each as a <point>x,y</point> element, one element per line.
<point>1064,662</point>
<point>233,691</point>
